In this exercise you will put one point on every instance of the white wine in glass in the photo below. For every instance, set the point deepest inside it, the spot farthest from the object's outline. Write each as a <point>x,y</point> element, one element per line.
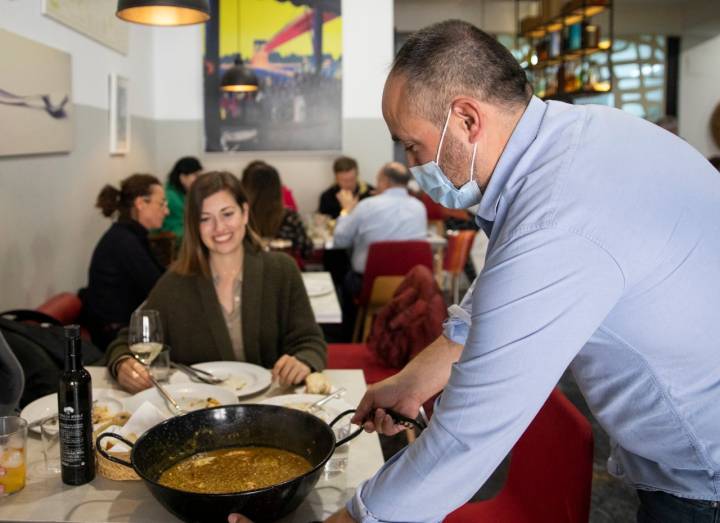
<point>145,337</point>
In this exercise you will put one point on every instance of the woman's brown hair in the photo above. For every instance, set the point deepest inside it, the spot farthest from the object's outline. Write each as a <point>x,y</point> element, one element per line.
<point>262,184</point>
<point>112,200</point>
<point>193,258</point>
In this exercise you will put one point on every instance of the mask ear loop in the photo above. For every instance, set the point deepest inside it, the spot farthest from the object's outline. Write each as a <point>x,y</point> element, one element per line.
<point>442,136</point>
<point>472,162</point>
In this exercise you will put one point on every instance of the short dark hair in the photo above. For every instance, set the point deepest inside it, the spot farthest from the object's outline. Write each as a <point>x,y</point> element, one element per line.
<point>344,164</point>
<point>185,165</point>
<point>396,172</point>
<point>453,58</point>
<point>263,188</point>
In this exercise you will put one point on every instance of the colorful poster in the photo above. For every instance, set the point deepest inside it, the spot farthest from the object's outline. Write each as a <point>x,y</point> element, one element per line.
<point>295,51</point>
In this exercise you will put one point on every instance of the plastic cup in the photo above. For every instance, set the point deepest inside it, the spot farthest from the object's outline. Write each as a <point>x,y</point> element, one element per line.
<point>13,463</point>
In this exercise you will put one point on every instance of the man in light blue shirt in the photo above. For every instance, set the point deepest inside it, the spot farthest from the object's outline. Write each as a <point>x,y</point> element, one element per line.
<point>603,255</point>
<point>391,215</point>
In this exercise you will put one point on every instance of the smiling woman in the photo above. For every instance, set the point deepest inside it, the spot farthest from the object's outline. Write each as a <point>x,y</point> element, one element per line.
<point>226,298</point>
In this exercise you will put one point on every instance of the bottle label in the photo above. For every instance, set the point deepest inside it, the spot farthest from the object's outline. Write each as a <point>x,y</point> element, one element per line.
<point>72,438</point>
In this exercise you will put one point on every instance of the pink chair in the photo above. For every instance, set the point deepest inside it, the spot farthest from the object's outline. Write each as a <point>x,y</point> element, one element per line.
<point>550,476</point>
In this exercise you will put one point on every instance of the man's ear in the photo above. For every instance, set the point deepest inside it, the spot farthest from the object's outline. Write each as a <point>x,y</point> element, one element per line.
<point>470,116</point>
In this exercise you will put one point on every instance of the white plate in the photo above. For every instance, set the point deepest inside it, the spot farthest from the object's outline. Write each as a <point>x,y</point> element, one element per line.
<point>243,379</point>
<point>328,412</point>
<point>318,288</point>
<point>47,405</point>
<point>190,396</point>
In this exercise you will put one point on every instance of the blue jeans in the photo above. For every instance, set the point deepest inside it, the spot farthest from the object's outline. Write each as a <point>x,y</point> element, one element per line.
<point>661,507</point>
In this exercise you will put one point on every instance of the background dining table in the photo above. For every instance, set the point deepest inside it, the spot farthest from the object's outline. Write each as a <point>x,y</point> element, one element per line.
<point>103,500</point>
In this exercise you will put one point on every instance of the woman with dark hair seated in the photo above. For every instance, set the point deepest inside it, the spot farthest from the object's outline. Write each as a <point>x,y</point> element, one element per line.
<point>270,218</point>
<point>183,175</point>
<point>123,268</point>
<point>226,298</point>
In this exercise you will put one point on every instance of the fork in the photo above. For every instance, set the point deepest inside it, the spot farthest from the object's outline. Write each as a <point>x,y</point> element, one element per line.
<point>198,374</point>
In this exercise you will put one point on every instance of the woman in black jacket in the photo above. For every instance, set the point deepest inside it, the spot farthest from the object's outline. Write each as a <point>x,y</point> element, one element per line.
<point>123,268</point>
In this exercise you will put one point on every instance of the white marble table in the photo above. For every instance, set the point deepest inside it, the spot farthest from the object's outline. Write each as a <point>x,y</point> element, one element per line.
<point>103,500</point>
<point>326,307</point>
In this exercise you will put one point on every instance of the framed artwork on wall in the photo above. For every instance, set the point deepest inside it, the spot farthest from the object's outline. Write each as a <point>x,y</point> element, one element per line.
<point>294,49</point>
<point>119,115</point>
<point>36,110</point>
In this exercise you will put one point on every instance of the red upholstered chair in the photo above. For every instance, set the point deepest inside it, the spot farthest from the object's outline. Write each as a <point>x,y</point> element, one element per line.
<point>358,356</point>
<point>391,258</point>
<point>550,474</point>
<point>64,307</point>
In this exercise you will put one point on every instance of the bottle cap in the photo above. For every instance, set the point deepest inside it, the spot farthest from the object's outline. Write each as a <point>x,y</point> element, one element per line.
<point>72,331</point>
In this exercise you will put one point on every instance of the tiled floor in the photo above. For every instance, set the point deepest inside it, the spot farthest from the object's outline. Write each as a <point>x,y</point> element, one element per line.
<point>612,500</point>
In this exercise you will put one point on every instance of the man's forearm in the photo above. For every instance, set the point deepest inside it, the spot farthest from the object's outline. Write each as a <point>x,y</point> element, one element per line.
<point>434,363</point>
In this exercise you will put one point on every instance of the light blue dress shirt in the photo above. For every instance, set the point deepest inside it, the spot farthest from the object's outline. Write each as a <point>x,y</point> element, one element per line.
<point>603,255</point>
<point>392,215</point>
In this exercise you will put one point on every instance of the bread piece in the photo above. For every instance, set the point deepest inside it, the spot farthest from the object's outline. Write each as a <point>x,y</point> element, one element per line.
<point>317,383</point>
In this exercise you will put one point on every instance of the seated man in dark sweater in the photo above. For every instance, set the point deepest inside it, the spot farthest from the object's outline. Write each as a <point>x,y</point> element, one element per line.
<point>346,178</point>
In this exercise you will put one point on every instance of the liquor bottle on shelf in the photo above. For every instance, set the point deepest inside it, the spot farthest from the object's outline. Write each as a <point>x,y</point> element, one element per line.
<point>77,457</point>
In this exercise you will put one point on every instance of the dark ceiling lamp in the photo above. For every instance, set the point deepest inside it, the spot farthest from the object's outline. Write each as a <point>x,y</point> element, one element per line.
<point>164,12</point>
<point>238,79</point>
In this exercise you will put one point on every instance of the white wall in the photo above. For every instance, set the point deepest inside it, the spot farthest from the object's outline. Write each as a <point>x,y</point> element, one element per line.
<point>48,225</point>
<point>92,62</point>
<point>699,93</point>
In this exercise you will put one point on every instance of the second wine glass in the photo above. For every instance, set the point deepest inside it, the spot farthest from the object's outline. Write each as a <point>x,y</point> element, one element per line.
<point>145,336</point>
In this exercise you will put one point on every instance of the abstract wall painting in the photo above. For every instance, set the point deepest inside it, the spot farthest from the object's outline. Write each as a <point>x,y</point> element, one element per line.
<point>119,115</point>
<point>295,50</point>
<point>35,97</point>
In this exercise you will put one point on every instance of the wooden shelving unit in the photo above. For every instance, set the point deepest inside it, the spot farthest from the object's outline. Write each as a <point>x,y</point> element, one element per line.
<point>558,69</point>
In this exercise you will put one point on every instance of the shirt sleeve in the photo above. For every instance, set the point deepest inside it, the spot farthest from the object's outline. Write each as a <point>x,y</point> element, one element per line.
<point>457,325</point>
<point>538,300</point>
<point>346,228</point>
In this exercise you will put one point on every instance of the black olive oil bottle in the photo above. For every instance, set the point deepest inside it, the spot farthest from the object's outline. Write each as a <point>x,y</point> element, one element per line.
<point>77,457</point>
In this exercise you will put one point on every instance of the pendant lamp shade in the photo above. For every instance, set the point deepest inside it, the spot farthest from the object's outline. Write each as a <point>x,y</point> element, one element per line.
<point>164,12</point>
<point>238,79</point>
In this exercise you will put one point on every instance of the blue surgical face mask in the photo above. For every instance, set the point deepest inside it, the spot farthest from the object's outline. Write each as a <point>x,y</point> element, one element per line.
<point>433,181</point>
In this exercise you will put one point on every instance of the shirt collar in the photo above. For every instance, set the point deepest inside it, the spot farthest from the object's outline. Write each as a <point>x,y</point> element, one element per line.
<point>396,191</point>
<point>522,136</point>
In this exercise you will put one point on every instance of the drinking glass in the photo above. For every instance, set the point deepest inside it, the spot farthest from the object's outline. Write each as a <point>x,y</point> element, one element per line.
<point>145,336</point>
<point>160,366</point>
<point>50,437</point>
<point>13,440</point>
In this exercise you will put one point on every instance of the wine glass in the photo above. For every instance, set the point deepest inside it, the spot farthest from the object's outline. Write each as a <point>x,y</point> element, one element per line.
<point>145,336</point>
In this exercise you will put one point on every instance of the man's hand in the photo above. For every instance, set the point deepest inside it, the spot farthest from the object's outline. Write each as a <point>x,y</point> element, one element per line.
<point>396,393</point>
<point>289,370</point>
<point>347,200</point>
<point>132,376</point>
<point>423,377</point>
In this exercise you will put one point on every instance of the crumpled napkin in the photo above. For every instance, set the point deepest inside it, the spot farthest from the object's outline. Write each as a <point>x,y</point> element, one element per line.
<point>143,419</point>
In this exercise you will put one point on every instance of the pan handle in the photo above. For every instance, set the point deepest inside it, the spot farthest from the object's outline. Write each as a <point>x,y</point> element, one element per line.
<point>350,437</point>
<point>105,453</point>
